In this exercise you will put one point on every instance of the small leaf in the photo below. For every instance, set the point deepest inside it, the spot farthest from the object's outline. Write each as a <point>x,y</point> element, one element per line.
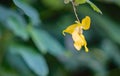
<point>16,62</point>
<point>13,21</point>
<point>36,37</point>
<point>94,7</point>
<point>18,29</point>
<point>29,11</point>
<point>77,2</point>
<point>46,43</point>
<point>33,59</point>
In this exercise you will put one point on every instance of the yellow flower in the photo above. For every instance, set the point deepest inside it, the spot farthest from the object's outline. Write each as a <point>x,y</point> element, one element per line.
<point>76,30</point>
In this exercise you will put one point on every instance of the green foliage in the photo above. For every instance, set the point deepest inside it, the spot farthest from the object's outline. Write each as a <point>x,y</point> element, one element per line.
<point>94,7</point>
<point>32,44</point>
<point>12,20</point>
<point>33,59</point>
<point>29,11</point>
<point>77,2</point>
<point>44,42</point>
<point>15,25</point>
<point>36,37</point>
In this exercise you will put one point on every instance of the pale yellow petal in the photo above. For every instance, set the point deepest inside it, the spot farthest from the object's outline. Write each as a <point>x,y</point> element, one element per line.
<point>70,29</point>
<point>85,43</point>
<point>77,45</point>
<point>86,23</point>
<point>86,49</point>
<point>77,38</point>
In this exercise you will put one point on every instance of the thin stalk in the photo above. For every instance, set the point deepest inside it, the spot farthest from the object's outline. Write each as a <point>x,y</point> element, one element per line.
<point>74,8</point>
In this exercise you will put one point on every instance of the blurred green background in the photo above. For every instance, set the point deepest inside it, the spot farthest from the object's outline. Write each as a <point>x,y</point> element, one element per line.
<point>32,44</point>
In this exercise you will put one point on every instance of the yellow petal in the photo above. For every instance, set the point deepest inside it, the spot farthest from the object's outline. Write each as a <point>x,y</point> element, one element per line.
<point>77,37</point>
<point>86,49</point>
<point>79,24</point>
<point>77,45</point>
<point>83,38</point>
<point>86,23</point>
<point>70,29</point>
<point>85,43</point>
<point>78,40</point>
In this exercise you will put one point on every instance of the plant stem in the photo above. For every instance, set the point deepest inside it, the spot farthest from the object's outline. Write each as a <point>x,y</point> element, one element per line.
<point>74,8</point>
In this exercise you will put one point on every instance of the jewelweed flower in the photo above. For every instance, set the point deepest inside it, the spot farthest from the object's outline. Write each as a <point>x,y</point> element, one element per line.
<point>76,30</point>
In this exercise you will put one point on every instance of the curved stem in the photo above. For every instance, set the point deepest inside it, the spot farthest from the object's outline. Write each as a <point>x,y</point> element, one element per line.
<point>75,10</point>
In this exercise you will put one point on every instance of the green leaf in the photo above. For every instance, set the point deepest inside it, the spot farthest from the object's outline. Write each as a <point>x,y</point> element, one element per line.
<point>13,21</point>
<point>45,42</point>
<point>36,37</point>
<point>15,25</point>
<point>29,11</point>
<point>77,2</point>
<point>94,7</point>
<point>15,61</point>
<point>33,59</point>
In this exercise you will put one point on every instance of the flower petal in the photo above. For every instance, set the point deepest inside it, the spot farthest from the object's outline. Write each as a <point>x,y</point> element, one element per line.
<point>86,23</point>
<point>86,49</point>
<point>77,37</point>
<point>78,40</point>
<point>83,38</point>
<point>77,45</point>
<point>85,43</point>
<point>70,29</point>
